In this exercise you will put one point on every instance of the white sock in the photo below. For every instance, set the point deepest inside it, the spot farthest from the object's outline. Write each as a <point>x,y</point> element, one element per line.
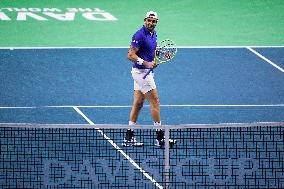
<point>157,124</point>
<point>131,123</point>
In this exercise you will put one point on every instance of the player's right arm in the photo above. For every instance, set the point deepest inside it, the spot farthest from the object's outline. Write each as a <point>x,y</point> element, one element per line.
<point>132,56</point>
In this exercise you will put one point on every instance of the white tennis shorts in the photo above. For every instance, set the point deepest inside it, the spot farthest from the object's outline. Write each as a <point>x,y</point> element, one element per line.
<point>140,84</point>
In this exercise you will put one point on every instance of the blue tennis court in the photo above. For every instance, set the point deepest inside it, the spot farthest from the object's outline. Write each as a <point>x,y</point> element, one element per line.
<point>202,85</point>
<point>94,86</point>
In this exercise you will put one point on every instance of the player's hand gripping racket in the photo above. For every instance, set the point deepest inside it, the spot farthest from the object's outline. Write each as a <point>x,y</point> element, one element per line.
<point>165,52</point>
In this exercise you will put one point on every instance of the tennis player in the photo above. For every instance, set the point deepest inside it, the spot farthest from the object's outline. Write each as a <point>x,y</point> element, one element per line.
<point>142,54</point>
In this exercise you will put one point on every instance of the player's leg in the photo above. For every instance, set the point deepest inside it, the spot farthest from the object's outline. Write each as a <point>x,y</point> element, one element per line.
<point>153,99</point>
<point>138,100</point>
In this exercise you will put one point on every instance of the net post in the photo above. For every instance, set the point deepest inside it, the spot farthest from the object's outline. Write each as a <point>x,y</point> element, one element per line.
<point>167,157</point>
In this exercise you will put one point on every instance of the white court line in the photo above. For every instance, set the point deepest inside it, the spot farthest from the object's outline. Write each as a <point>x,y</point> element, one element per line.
<point>176,105</point>
<point>184,105</point>
<point>118,149</point>
<point>264,58</point>
<point>128,106</point>
<point>126,47</point>
<point>18,107</point>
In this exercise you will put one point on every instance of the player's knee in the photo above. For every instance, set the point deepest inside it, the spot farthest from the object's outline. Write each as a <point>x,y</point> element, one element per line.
<point>156,102</point>
<point>138,105</point>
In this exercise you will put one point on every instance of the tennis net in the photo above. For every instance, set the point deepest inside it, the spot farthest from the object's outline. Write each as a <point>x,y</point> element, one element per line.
<point>247,155</point>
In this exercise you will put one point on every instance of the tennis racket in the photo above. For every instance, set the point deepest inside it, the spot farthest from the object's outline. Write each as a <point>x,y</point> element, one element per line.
<point>165,51</point>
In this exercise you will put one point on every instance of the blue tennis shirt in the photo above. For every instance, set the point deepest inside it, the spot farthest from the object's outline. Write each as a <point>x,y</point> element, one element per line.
<point>146,43</point>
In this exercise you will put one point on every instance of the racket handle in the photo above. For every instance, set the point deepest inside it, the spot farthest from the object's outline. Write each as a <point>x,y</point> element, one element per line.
<point>150,70</point>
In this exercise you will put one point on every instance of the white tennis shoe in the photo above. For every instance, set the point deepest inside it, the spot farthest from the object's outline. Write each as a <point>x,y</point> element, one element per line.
<point>161,143</point>
<point>132,142</point>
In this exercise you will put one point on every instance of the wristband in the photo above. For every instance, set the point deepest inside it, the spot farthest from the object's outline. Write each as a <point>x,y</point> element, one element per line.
<point>140,61</point>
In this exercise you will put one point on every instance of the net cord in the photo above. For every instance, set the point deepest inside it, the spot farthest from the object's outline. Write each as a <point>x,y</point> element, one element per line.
<point>123,126</point>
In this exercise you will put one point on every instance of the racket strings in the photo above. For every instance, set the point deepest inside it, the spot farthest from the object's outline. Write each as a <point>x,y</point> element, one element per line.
<point>166,52</point>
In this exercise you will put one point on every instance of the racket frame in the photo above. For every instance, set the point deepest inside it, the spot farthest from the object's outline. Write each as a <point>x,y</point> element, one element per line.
<point>159,61</point>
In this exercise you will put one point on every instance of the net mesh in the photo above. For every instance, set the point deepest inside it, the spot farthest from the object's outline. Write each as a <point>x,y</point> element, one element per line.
<point>244,157</point>
<point>227,157</point>
<point>74,158</point>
